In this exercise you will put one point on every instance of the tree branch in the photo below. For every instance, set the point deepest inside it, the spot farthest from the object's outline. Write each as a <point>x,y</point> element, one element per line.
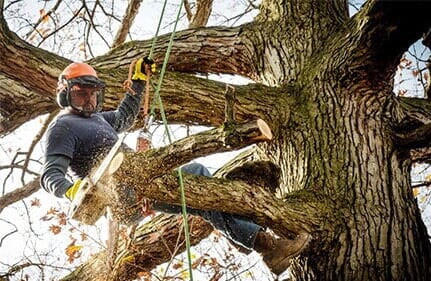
<point>300,212</point>
<point>203,50</point>
<point>413,122</point>
<point>203,12</point>
<point>129,17</point>
<point>418,138</point>
<point>382,31</point>
<point>198,145</point>
<point>19,193</point>
<point>151,246</point>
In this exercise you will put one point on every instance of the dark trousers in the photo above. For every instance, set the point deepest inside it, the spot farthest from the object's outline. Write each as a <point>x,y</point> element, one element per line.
<point>236,228</point>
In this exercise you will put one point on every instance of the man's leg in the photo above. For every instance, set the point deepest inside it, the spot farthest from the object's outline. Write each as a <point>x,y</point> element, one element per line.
<point>237,229</point>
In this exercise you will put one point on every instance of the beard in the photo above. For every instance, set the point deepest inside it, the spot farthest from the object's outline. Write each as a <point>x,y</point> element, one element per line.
<point>89,107</point>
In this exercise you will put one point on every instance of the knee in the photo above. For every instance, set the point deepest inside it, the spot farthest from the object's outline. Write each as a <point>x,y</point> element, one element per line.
<point>196,169</point>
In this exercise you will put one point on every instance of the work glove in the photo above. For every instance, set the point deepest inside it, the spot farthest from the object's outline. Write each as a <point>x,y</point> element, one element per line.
<point>71,192</point>
<point>139,73</point>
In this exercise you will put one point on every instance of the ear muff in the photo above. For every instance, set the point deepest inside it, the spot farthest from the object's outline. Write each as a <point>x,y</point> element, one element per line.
<point>62,99</point>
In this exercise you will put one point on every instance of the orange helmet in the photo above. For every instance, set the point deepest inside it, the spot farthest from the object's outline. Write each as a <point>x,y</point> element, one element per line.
<point>77,69</point>
<point>78,74</point>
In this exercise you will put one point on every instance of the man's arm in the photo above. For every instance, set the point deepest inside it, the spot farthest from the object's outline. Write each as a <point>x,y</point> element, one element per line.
<point>53,178</point>
<point>123,118</point>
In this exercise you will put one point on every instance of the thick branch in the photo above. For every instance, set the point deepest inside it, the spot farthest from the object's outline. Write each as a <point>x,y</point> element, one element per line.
<point>418,138</point>
<point>413,118</point>
<point>157,161</point>
<point>202,50</point>
<point>152,245</point>
<point>383,31</point>
<point>300,212</point>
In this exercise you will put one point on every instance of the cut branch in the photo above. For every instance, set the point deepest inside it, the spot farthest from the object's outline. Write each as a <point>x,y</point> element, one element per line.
<point>198,145</point>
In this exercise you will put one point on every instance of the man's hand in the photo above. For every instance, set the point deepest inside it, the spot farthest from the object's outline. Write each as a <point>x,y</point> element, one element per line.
<point>71,192</point>
<point>140,68</point>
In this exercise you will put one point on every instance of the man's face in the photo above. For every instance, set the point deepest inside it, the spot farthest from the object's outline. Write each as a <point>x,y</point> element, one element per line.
<point>84,99</point>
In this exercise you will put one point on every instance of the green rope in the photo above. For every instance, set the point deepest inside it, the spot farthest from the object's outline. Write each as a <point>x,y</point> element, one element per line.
<point>165,123</point>
<point>153,44</point>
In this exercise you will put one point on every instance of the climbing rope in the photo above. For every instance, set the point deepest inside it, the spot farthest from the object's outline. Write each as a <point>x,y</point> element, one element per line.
<point>158,99</point>
<point>165,123</point>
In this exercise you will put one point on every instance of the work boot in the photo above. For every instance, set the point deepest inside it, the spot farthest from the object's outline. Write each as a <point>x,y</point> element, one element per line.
<point>277,252</point>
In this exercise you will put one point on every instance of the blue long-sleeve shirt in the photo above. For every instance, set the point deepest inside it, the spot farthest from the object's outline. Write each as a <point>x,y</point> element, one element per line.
<point>76,143</point>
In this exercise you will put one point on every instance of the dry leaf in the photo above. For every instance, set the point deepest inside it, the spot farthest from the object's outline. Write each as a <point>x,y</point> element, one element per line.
<point>73,252</point>
<point>44,17</point>
<point>35,203</point>
<point>144,275</point>
<point>415,191</point>
<point>52,211</point>
<point>177,265</point>
<point>62,218</point>
<point>84,236</point>
<point>55,229</point>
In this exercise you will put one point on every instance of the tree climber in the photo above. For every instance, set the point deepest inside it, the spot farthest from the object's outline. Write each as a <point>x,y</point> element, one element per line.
<point>81,135</point>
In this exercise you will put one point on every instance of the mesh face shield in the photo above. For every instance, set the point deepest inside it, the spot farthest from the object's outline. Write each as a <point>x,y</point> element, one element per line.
<point>85,88</point>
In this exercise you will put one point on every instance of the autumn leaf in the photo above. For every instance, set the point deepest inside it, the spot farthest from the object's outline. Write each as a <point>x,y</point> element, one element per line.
<point>415,192</point>
<point>52,211</point>
<point>177,265</point>
<point>402,92</point>
<point>44,17</point>
<point>55,229</point>
<point>73,252</point>
<point>82,47</point>
<point>62,218</point>
<point>84,236</point>
<point>35,203</point>
<point>185,275</point>
<point>144,275</point>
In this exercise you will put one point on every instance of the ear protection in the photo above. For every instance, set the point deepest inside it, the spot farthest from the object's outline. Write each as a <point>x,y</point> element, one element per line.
<point>61,90</point>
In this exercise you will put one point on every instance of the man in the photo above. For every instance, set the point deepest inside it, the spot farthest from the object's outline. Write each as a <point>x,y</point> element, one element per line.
<point>82,134</point>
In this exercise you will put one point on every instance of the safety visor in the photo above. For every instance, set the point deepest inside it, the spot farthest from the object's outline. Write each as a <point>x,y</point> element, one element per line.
<point>86,94</point>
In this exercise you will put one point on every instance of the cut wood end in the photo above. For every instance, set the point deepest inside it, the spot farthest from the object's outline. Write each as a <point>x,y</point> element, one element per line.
<point>115,163</point>
<point>264,129</point>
